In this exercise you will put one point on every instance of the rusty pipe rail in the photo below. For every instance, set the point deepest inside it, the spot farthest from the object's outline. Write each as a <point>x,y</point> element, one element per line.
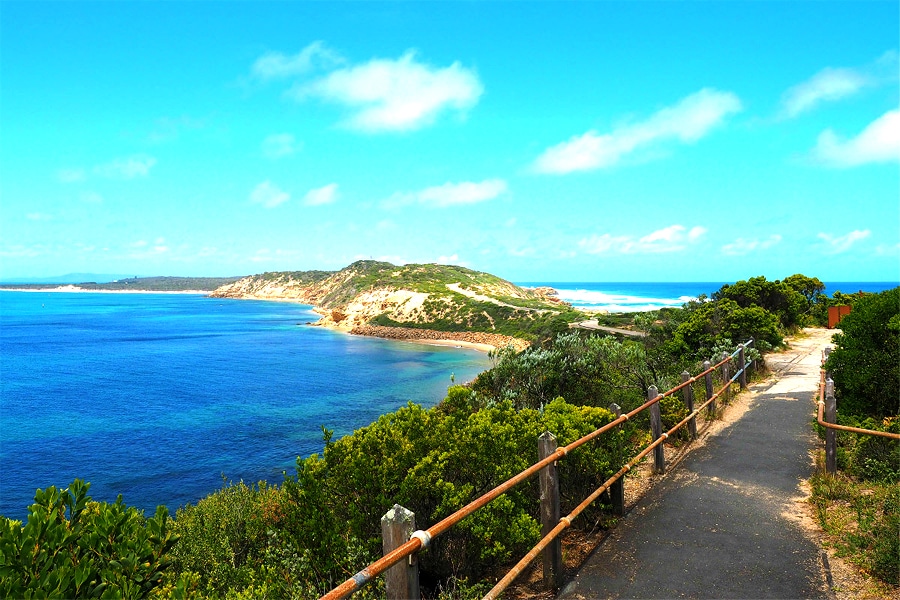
<point>566,522</point>
<point>820,417</point>
<point>422,539</point>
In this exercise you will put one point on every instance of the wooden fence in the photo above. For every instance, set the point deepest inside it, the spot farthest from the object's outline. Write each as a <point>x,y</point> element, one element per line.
<point>401,539</point>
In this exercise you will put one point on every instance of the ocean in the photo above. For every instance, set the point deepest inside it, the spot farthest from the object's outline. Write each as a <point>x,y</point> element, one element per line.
<point>163,397</point>
<point>644,296</point>
<point>159,397</point>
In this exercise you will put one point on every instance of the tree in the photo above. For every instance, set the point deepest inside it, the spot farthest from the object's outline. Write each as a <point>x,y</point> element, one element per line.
<point>865,365</point>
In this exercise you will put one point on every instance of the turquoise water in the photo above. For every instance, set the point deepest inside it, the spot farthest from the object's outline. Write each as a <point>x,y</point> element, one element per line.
<point>158,397</point>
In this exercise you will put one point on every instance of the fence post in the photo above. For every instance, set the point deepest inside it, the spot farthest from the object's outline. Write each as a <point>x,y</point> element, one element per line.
<point>549,484</point>
<point>689,403</point>
<point>617,489</point>
<point>707,379</point>
<point>726,377</point>
<point>402,580</point>
<point>659,455</point>
<point>830,434</point>
<point>743,358</point>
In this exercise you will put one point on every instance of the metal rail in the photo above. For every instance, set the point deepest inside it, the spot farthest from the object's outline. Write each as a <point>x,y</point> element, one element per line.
<point>820,417</point>
<point>566,521</point>
<point>422,539</point>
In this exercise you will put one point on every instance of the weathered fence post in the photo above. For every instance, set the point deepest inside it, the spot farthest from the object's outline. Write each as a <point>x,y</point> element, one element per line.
<point>617,489</point>
<point>402,580</point>
<point>830,434</point>
<point>659,455</point>
<point>743,367</point>
<point>726,376</point>
<point>707,379</point>
<point>549,483</point>
<point>688,391</point>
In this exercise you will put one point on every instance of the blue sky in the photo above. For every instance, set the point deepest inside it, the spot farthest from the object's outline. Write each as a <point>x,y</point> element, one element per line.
<point>594,141</point>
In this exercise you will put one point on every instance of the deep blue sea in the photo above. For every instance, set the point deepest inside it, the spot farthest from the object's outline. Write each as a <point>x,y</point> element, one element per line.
<point>159,396</point>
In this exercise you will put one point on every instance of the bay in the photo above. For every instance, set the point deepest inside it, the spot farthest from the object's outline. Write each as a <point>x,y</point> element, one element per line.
<point>162,397</point>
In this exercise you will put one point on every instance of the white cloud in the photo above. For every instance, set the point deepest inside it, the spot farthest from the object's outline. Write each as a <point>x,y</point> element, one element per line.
<point>450,194</point>
<point>743,246</point>
<point>686,122</point>
<point>126,168</point>
<point>275,65</point>
<point>269,195</point>
<point>453,259</point>
<point>396,95</point>
<point>279,145</point>
<point>842,243</point>
<point>832,84</point>
<point>91,198</point>
<point>668,239</point>
<point>37,216</point>
<point>323,195</point>
<point>825,86</point>
<point>71,175</point>
<point>879,142</point>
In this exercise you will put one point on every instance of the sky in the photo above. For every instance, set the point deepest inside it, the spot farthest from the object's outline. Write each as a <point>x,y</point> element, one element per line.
<point>538,141</point>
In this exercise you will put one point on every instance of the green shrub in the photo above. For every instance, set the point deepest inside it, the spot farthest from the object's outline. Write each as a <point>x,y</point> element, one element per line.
<point>865,365</point>
<point>71,547</point>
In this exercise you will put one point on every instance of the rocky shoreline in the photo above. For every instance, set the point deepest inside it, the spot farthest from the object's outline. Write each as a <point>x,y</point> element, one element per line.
<point>470,337</point>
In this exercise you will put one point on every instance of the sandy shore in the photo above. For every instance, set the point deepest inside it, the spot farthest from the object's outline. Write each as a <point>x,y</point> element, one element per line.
<point>463,339</point>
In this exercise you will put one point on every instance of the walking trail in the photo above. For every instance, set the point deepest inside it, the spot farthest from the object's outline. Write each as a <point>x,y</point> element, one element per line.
<point>729,520</point>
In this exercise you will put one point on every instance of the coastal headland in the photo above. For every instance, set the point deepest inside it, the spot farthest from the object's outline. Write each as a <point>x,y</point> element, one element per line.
<point>428,303</point>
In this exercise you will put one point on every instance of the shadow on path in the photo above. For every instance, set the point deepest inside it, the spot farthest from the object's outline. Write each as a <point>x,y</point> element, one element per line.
<point>725,523</point>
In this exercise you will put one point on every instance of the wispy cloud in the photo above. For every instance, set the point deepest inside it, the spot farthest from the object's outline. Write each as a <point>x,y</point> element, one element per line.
<point>268,195</point>
<point>323,195</point>
<point>673,238</point>
<point>450,194</point>
<point>71,175</point>
<point>90,197</point>
<point>279,145</point>
<point>38,216</point>
<point>275,65</point>
<point>686,122</point>
<point>126,168</point>
<point>742,246</point>
<point>879,142</point>
<point>395,95</point>
<point>825,86</point>
<point>832,84</point>
<point>842,243</point>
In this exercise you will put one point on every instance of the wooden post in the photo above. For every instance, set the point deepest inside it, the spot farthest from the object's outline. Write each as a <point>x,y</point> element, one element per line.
<point>549,484</point>
<point>617,489</point>
<point>743,366</point>
<point>688,392</point>
<point>726,376</point>
<point>402,580</point>
<point>830,434</point>
<point>659,455</point>
<point>707,379</point>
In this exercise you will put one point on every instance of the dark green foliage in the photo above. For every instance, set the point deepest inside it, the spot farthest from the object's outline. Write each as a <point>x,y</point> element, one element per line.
<point>71,547</point>
<point>704,324</point>
<point>776,297</point>
<point>865,365</point>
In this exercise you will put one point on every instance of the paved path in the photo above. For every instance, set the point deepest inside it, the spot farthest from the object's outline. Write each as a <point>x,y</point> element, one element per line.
<point>593,324</point>
<point>728,521</point>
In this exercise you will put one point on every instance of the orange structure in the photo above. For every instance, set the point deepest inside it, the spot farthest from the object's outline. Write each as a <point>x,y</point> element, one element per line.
<point>836,313</point>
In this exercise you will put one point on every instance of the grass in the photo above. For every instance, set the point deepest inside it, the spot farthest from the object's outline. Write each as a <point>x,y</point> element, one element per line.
<point>862,522</point>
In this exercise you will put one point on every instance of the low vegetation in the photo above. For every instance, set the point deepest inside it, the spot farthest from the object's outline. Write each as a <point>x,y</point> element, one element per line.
<point>322,523</point>
<point>859,507</point>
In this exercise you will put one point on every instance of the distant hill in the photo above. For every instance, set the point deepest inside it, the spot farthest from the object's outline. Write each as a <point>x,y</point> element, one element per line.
<point>417,296</point>
<point>138,284</point>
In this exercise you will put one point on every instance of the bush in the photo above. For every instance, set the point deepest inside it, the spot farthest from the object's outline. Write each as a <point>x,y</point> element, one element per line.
<point>865,366</point>
<point>71,547</point>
